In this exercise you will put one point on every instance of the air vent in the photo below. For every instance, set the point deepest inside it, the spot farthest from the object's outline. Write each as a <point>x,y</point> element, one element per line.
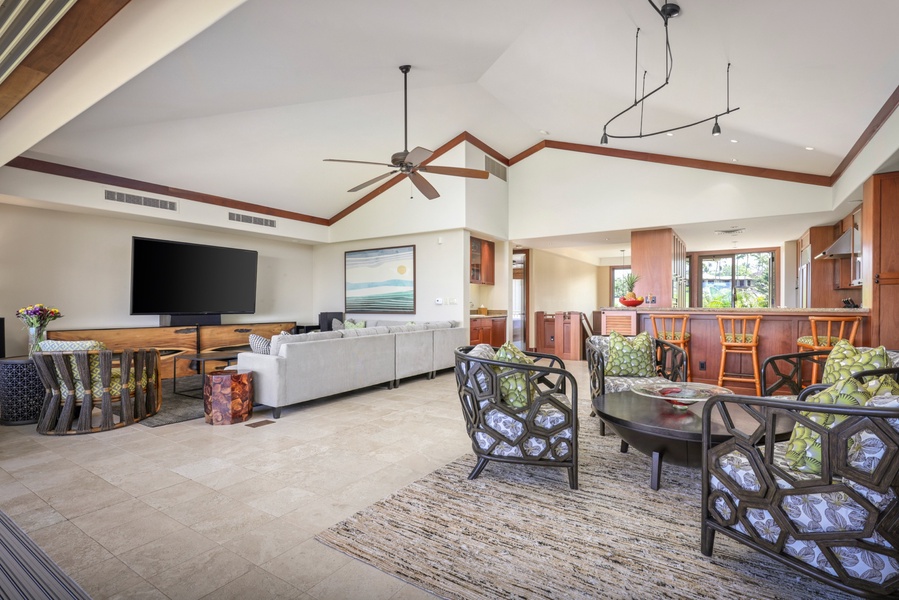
<point>498,169</point>
<point>232,216</point>
<point>141,200</point>
<point>731,231</point>
<point>23,25</point>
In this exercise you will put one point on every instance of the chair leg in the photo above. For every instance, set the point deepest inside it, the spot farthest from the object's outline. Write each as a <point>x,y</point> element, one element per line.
<point>707,539</point>
<point>755,371</point>
<point>572,477</point>
<point>721,369</point>
<point>482,462</point>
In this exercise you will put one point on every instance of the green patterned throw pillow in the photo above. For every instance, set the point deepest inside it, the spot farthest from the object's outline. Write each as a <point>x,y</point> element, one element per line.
<point>630,357</point>
<point>350,324</point>
<point>844,361</point>
<point>804,448</point>
<point>513,388</point>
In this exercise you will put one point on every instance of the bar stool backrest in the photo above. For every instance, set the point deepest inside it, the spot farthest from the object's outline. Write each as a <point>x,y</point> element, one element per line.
<point>739,331</point>
<point>669,327</point>
<point>833,328</point>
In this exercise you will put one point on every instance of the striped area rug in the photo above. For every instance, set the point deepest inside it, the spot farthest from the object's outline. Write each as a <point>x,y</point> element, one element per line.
<point>521,532</point>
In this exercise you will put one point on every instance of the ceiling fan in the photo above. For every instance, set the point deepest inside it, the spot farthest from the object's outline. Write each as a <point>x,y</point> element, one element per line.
<point>410,163</point>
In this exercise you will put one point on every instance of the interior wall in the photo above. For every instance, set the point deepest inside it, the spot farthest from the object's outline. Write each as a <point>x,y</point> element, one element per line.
<point>81,264</point>
<point>559,283</point>
<point>439,273</point>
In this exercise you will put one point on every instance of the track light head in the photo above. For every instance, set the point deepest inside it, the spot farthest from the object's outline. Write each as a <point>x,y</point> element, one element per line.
<point>604,139</point>
<point>716,129</point>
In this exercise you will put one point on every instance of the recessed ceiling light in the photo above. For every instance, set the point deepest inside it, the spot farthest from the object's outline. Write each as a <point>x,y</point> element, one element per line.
<point>733,141</point>
<point>669,134</point>
<point>733,160</point>
<point>543,132</point>
<point>809,148</point>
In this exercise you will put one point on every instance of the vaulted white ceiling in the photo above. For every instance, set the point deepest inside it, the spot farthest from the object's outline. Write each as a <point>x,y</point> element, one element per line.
<point>248,108</point>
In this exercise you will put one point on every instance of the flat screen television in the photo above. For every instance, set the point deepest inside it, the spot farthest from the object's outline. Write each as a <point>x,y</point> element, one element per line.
<point>179,278</point>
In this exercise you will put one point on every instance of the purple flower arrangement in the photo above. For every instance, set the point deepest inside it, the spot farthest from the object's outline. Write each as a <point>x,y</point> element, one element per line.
<point>38,315</point>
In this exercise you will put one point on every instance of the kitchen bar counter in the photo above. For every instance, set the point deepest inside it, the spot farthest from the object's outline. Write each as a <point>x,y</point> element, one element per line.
<point>780,328</point>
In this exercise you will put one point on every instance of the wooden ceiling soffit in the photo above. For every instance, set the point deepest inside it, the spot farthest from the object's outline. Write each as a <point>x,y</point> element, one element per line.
<point>77,26</point>
<point>708,165</point>
<point>40,166</point>
<point>462,137</point>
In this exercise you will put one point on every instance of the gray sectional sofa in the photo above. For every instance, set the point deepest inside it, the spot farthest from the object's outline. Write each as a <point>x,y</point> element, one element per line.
<point>308,366</point>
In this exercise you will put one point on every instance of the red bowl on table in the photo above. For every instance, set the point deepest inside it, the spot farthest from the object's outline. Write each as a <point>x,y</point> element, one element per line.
<point>630,303</point>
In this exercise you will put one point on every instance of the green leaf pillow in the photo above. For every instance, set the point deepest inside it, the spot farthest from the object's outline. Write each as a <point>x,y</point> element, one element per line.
<point>630,357</point>
<point>354,324</point>
<point>844,361</point>
<point>513,388</point>
<point>804,448</point>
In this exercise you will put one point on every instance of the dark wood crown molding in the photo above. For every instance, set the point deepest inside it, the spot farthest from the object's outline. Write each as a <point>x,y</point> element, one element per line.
<point>77,26</point>
<point>40,166</point>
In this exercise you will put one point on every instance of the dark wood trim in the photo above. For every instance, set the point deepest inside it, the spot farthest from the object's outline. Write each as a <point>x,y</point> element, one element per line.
<point>532,150</point>
<point>485,148</point>
<point>366,198</point>
<point>693,163</point>
<point>876,123</point>
<point>77,26</point>
<point>40,166</point>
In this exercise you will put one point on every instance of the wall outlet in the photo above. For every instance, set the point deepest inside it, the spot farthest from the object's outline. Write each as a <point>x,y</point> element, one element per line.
<point>702,365</point>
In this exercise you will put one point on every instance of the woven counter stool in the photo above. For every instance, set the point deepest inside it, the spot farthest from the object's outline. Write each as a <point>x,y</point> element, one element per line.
<point>826,332</point>
<point>673,329</point>
<point>740,335</point>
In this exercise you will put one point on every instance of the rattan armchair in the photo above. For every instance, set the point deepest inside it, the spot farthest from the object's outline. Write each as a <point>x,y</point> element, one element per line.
<point>87,391</point>
<point>840,525</point>
<point>542,431</point>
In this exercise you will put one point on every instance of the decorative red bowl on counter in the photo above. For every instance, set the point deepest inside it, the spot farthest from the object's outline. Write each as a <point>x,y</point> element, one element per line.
<point>630,303</point>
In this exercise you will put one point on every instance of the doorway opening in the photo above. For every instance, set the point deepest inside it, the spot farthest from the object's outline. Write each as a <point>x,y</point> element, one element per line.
<point>520,298</point>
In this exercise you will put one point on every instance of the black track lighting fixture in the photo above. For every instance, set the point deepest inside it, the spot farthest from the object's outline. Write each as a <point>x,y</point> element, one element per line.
<point>667,11</point>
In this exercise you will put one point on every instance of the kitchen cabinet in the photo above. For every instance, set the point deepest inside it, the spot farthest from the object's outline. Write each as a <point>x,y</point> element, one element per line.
<point>815,277</point>
<point>488,330</point>
<point>880,257</point>
<point>482,261</point>
<point>659,257</point>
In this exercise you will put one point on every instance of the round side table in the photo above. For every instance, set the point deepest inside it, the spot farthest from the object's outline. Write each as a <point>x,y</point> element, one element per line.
<point>21,391</point>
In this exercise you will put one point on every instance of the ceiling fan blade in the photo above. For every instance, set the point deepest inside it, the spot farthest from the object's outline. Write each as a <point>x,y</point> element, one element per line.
<point>371,181</point>
<point>458,172</point>
<point>418,155</point>
<point>423,186</point>
<point>358,162</point>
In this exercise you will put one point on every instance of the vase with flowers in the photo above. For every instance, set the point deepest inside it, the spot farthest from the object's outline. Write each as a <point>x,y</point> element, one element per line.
<point>36,317</point>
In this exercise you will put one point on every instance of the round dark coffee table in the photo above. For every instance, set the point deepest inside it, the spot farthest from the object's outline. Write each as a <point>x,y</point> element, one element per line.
<point>660,430</point>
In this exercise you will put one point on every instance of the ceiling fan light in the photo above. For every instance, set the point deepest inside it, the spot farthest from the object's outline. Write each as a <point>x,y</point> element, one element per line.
<point>716,129</point>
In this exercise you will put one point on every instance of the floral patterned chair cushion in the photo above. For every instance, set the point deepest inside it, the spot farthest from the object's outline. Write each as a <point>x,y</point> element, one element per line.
<point>513,387</point>
<point>845,360</point>
<point>804,448</point>
<point>513,428</point>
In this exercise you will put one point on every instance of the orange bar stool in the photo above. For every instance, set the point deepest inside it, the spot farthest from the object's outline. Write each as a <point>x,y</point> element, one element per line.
<point>673,329</point>
<point>826,332</point>
<point>740,335</point>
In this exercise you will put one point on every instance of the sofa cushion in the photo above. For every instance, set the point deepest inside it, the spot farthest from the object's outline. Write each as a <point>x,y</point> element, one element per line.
<point>804,448</point>
<point>363,331</point>
<point>260,344</point>
<point>844,361</point>
<point>280,340</point>
<point>438,325</point>
<point>630,357</point>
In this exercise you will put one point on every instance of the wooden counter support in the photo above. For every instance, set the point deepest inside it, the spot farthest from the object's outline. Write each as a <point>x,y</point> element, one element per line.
<point>560,334</point>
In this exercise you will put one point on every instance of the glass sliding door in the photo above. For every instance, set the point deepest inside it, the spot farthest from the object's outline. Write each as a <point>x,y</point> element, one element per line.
<point>717,281</point>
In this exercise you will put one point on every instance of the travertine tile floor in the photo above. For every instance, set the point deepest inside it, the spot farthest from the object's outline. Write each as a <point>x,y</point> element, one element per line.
<point>195,511</point>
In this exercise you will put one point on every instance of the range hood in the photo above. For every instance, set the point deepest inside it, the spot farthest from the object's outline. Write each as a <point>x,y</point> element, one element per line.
<point>842,248</point>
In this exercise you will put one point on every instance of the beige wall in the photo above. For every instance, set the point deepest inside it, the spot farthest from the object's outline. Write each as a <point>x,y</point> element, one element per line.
<point>558,283</point>
<point>81,264</point>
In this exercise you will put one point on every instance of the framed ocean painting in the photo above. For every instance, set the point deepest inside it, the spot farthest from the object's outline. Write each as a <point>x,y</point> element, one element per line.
<point>381,280</point>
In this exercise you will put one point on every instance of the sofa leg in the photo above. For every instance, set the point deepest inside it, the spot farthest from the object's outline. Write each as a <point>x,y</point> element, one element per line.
<point>276,412</point>
<point>390,384</point>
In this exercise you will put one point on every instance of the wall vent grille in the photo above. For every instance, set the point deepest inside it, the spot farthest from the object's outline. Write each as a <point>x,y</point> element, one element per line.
<point>240,218</point>
<point>494,167</point>
<point>141,200</point>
